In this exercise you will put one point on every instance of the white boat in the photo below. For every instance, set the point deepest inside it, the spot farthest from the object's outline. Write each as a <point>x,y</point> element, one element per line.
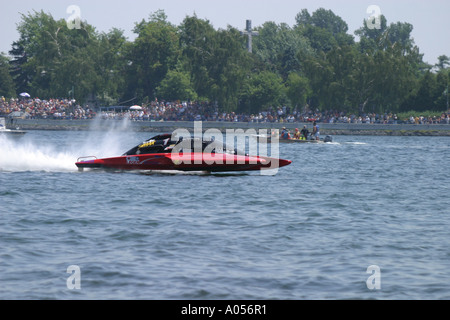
<point>4,130</point>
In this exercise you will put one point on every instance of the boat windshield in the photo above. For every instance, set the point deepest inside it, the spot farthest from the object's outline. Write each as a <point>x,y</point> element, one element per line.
<point>208,146</point>
<point>165,144</point>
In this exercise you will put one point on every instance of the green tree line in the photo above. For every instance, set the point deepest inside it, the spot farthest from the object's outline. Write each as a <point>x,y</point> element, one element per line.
<point>315,63</point>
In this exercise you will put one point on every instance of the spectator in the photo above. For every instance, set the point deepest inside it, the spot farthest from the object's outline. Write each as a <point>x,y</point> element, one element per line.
<point>67,109</point>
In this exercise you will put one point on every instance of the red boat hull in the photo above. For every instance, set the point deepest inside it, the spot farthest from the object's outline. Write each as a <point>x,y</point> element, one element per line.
<point>186,162</point>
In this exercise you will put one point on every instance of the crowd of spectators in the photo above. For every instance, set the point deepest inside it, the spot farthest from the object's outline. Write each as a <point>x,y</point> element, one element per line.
<point>194,111</point>
<point>45,109</point>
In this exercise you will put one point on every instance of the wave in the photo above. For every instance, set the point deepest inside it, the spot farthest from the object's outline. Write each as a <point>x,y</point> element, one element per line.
<point>32,154</point>
<point>356,143</point>
<point>27,156</point>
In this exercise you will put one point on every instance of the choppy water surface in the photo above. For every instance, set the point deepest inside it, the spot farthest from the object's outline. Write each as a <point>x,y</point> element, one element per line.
<point>309,232</point>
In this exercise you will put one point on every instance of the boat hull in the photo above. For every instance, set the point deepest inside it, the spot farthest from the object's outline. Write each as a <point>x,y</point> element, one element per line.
<point>4,130</point>
<point>12,132</point>
<point>185,162</point>
<point>268,139</point>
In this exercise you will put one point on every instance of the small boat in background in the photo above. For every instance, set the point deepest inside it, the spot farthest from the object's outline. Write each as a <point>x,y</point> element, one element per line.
<point>310,140</point>
<point>268,139</point>
<point>4,130</point>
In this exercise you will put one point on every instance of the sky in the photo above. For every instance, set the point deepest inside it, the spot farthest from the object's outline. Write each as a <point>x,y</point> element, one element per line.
<point>429,18</point>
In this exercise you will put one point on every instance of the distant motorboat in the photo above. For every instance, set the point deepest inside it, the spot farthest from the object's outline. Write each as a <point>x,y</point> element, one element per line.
<point>309,140</point>
<point>268,139</point>
<point>4,130</point>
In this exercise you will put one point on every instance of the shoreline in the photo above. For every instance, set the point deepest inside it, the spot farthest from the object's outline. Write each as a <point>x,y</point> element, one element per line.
<point>169,126</point>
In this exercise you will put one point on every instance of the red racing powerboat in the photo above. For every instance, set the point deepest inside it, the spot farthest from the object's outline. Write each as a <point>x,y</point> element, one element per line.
<point>164,153</point>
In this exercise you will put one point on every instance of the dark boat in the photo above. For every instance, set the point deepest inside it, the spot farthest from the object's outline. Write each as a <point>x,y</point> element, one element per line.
<point>268,139</point>
<point>309,140</point>
<point>191,154</point>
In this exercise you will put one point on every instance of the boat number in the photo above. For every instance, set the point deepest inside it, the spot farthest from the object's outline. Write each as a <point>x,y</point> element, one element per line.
<point>132,160</point>
<point>147,144</point>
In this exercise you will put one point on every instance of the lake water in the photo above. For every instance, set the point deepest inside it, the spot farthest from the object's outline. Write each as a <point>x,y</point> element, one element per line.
<point>362,218</point>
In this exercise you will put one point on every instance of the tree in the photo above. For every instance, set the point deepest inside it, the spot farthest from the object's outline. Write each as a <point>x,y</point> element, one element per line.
<point>261,91</point>
<point>34,52</point>
<point>176,86</point>
<point>427,93</point>
<point>227,68</point>
<point>395,64</point>
<point>18,70</point>
<point>441,101</point>
<point>430,93</point>
<point>154,52</point>
<point>323,29</point>
<point>278,47</point>
<point>297,89</point>
<point>319,72</point>
<point>109,58</point>
<point>361,82</point>
<point>400,33</point>
<point>321,40</point>
<point>326,19</point>
<point>303,18</point>
<point>7,88</point>
<point>216,60</point>
<point>315,62</point>
<point>197,43</point>
<point>443,62</point>
<point>369,36</point>
<point>50,59</point>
